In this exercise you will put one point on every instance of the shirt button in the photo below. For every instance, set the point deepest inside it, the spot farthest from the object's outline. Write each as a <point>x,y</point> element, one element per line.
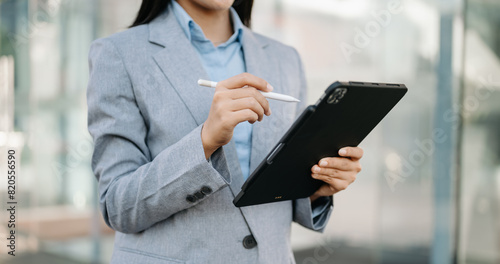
<point>206,190</point>
<point>191,198</point>
<point>249,242</point>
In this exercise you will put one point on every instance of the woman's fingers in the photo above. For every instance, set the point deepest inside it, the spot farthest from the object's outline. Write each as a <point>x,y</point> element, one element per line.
<point>337,172</point>
<point>251,97</point>
<point>343,164</point>
<point>235,101</point>
<point>245,79</point>
<point>334,183</point>
<point>354,153</point>
<point>349,176</point>
<point>247,103</point>
<point>245,115</point>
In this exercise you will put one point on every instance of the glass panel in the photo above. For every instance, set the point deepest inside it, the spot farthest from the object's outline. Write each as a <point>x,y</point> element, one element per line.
<point>480,168</point>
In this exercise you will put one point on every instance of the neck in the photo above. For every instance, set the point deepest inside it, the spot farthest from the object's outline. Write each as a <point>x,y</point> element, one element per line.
<point>216,24</point>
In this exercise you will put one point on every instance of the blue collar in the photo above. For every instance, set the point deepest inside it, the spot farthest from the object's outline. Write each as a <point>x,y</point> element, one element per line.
<point>193,31</point>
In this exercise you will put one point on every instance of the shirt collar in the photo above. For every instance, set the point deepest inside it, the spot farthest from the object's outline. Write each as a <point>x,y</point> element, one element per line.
<point>193,31</point>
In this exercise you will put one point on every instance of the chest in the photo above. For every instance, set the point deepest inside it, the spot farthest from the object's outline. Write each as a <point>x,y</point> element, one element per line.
<point>172,104</point>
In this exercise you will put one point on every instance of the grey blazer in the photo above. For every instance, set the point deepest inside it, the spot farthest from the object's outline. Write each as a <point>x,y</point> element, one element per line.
<point>156,189</point>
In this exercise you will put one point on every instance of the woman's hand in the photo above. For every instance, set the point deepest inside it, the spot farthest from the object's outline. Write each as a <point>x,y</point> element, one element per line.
<point>338,172</point>
<point>236,100</point>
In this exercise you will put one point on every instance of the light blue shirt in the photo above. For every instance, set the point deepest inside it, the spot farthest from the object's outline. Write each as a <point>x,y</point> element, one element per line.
<point>221,62</point>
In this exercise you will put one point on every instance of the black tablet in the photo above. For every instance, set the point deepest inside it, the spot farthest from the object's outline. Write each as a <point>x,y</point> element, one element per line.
<point>343,116</point>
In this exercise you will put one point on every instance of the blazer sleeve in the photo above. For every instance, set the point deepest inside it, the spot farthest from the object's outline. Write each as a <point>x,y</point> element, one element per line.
<point>303,208</point>
<point>135,190</point>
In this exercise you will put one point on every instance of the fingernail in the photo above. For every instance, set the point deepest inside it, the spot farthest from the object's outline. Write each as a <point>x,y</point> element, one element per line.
<point>269,112</point>
<point>342,152</point>
<point>270,87</point>
<point>323,163</point>
<point>316,169</point>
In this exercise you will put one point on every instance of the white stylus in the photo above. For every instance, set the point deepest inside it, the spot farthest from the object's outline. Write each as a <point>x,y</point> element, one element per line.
<point>275,96</point>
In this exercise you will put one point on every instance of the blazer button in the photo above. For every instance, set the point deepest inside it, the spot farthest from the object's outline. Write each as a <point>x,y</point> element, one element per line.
<point>206,190</point>
<point>199,195</point>
<point>249,242</point>
<point>191,198</point>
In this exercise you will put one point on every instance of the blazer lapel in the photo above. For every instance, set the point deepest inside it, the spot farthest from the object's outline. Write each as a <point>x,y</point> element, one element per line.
<point>181,65</point>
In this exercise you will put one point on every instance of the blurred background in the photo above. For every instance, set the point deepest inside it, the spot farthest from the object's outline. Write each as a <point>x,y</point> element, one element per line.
<point>429,191</point>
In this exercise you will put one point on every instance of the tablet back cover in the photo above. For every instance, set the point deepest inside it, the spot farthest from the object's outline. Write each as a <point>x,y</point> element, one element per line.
<point>344,116</point>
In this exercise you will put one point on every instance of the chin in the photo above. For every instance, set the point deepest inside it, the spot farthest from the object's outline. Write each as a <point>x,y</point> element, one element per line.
<point>214,4</point>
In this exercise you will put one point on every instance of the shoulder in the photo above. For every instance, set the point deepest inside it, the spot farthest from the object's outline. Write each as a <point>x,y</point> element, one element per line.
<point>278,47</point>
<point>129,39</point>
<point>286,56</point>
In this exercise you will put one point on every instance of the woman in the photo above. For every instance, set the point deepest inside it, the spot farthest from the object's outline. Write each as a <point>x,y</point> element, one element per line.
<point>170,155</point>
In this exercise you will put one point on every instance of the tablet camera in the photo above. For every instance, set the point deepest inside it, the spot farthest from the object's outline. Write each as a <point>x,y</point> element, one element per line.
<point>337,95</point>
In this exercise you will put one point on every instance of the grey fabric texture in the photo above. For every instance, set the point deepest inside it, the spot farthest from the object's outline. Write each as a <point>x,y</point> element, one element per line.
<point>146,113</point>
